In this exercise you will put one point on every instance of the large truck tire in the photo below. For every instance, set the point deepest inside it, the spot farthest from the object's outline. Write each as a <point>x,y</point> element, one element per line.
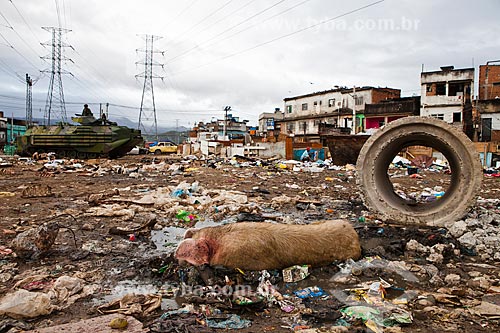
<point>380,149</point>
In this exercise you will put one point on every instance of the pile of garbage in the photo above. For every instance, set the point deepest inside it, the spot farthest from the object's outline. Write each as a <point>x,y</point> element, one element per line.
<point>303,305</point>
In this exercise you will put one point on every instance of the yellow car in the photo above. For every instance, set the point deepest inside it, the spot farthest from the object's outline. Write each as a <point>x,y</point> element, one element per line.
<point>163,148</point>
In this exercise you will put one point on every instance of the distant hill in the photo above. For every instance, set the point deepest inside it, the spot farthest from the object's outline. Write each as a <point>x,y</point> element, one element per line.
<point>123,121</point>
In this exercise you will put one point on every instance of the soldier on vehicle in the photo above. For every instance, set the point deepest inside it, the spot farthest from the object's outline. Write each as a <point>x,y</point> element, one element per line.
<point>86,111</point>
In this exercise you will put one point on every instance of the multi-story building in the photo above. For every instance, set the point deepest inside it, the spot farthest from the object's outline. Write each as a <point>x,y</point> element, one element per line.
<point>10,129</point>
<point>489,80</point>
<point>269,123</point>
<point>3,131</point>
<point>379,114</point>
<point>489,112</point>
<point>336,107</point>
<point>446,94</point>
<point>488,102</point>
<point>231,127</point>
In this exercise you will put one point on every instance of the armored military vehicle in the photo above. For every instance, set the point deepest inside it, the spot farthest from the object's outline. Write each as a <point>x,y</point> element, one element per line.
<point>91,139</point>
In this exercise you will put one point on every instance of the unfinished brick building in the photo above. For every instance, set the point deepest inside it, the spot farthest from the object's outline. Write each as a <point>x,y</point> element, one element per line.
<point>489,80</point>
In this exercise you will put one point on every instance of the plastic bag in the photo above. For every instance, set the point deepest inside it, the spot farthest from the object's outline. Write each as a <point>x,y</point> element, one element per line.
<point>25,304</point>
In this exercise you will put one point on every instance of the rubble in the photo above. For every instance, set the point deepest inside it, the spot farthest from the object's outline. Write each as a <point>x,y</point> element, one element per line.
<point>64,292</point>
<point>427,279</point>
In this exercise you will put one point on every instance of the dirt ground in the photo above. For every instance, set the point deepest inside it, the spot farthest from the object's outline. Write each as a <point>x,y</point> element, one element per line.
<point>96,205</point>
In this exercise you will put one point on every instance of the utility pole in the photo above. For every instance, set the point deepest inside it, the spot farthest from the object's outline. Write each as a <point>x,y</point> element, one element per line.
<point>227,108</point>
<point>29,104</point>
<point>148,107</point>
<point>12,129</point>
<point>55,95</point>
<point>177,130</point>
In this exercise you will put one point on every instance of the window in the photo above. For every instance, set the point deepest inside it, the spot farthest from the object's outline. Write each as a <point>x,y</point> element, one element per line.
<point>315,103</point>
<point>428,87</point>
<point>316,122</point>
<point>456,89</point>
<point>303,126</point>
<point>290,127</point>
<point>331,102</point>
<point>289,108</point>
<point>304,107</point>
<point>359,100</point>
<point>438,116</point>
<point>457,117</point>
<point>440,89</point>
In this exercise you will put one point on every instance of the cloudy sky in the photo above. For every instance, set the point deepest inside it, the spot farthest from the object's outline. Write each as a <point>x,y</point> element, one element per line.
<point>249,54</point>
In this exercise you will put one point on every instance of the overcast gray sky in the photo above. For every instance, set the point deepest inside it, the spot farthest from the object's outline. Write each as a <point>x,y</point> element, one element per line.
<point>249,54</point>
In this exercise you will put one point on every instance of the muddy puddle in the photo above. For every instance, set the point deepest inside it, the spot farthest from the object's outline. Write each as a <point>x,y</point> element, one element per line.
<point>167,239</point>
<point>140,287</point>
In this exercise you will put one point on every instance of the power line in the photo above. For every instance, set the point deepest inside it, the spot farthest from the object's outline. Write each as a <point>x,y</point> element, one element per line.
<point>91,90</point>
<point>231,13</point>
<point>19,98</point>
<point>281,37</point>
<point>64,14</point>
<point>92,77</point>
<point>179,14</point>
<point>8,70</point>
<point>19,53</point>
<point>166,110</point>
<point>24,20</point>
<point>258,23</point>
<point>7,21</point>
<point>23,40</point>
<point>238,32</point>
<point>58,14</point>
<point>122,106</point>
<point>204,18</point>
<point>228,29</point>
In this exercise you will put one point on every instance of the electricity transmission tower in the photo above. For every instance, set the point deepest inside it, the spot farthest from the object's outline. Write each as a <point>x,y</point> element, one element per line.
<point>148,108</point>
<point>29,104</point>
<point>55,96</point>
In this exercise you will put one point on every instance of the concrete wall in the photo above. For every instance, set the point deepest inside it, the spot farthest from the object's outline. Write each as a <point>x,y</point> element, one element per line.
<point>320,107</point>
<point>319,104</point>
<point>446,76</point>
<point>446,111</point>
<point>261,150</point>
<point>441,100</point>
<point>276,149</point>
<point>495,120</point>
<point>488,106</point>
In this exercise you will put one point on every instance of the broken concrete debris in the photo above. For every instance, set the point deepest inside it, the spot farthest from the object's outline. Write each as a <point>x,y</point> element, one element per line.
<point>420,278</point>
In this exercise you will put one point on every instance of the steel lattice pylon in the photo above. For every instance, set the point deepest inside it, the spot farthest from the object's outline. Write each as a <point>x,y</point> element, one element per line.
<point>147,116</point>
<point>29,101</point>
<point>54,104</point>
